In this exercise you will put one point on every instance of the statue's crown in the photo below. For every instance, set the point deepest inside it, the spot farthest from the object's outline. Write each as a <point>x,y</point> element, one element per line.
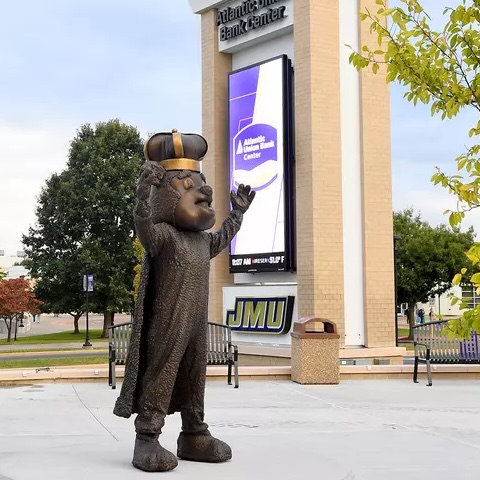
<point>175,150</point>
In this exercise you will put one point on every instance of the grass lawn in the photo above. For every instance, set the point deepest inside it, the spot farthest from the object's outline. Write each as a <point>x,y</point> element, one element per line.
<point>403,336</point>
<point>59,337</point>
<point>403,332</point>
<point>403,339</point>
<point>53,362</point>
<point>44,350</point>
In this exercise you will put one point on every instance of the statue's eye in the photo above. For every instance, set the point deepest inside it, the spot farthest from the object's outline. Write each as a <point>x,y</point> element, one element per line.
<point>188,183</point>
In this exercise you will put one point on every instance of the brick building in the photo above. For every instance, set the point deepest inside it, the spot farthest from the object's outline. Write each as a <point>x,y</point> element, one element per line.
<point>344,234</point>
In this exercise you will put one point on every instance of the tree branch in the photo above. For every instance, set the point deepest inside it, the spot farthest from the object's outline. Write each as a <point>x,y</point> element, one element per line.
<point>419,79</point>
<point>477,58</point>
<point>453,56</point>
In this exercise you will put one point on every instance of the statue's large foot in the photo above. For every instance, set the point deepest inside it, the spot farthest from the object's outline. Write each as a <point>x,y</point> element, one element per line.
<point>202,447</point>
<point>150,456</point>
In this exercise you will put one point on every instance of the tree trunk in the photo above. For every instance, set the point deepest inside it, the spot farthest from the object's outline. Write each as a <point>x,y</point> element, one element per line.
<point>9,329</point>
<point>76,318</point>
<point>411,319</point>
<point>107,322</point>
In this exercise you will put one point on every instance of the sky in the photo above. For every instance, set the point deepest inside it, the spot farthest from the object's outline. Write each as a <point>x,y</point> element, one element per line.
<point>65,63</point>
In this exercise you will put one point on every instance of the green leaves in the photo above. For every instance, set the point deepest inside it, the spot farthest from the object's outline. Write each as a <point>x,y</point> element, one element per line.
<point>475,278</point>
<point>358,61</point>
<point>435,66</point>
<point>457,279</point>
<point>455,218</point>
<point>470,317</point>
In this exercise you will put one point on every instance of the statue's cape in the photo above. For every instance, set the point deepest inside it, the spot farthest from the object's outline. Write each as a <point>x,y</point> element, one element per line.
<point>125,404</point>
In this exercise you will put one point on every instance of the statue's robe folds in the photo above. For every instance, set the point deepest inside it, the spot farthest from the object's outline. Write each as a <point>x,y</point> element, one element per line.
<point>167,357</point>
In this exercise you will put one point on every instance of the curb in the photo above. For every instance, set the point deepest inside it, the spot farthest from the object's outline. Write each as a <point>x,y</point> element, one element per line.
<point>369,372</point>
<point>18,376</point>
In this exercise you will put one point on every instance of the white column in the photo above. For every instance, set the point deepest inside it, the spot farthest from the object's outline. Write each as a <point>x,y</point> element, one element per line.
<point>351,176</point>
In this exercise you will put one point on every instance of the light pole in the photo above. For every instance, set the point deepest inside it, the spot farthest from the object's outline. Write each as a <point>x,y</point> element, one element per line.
<point>87,287</point>
<point>17,326</point>
<point>396,238</point>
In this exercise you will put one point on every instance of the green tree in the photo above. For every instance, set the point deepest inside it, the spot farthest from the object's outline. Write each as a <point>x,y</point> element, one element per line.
<point>54,248</point>
<point>439,68</point>
<point>98,188</point>
<point>427,257</point>
<point>104,163</point>
<point>3,274</point>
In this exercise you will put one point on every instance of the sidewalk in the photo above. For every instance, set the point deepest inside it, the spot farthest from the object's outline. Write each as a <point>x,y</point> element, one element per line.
<point>50,346</point>
<point>370,430</point>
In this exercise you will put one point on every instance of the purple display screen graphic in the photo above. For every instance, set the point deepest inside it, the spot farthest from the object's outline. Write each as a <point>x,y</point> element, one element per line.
<point>253,146</point>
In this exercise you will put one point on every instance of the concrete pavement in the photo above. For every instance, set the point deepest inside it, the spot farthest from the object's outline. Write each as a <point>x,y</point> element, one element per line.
<point>369,430</point>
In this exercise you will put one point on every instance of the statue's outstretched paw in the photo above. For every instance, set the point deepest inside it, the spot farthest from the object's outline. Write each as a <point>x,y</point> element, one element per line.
<point>150,456</point>
<point>202,447</point>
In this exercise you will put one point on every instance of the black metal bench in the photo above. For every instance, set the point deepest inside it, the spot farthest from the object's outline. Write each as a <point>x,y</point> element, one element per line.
<point>118,342</point>
<point>434,347</point>
<point>220,350</point>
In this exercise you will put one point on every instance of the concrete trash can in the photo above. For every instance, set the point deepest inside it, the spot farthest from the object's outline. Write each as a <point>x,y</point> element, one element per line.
<point>315,352</point>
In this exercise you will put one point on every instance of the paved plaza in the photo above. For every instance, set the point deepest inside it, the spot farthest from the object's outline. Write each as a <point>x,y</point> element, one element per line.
<point>362,430</point>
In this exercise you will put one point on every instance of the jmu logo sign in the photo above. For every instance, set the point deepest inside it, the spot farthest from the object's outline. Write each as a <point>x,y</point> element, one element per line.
<point>262,315</point>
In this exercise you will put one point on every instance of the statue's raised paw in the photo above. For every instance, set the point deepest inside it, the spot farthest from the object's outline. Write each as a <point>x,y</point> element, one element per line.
<point>150,456</point>
<point>202,447</point>
<point>243,198</point>
<point>150,174</point>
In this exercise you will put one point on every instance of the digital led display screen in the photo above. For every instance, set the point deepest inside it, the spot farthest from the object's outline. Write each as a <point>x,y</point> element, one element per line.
<point>261,155</point>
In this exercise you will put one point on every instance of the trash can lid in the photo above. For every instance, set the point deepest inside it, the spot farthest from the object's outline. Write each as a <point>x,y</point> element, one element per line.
<point>300,328</point>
